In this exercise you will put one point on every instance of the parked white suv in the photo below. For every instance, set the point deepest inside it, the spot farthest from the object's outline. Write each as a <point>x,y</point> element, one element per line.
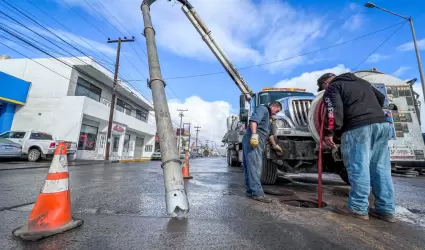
<point>37,145</point>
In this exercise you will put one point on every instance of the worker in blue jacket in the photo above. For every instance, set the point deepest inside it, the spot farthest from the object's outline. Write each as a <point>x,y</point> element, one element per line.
<point>253,143</point>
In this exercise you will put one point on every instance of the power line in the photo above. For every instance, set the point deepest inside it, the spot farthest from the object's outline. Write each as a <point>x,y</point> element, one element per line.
<point>63,26</point>
<point>91,6</point>
<point>66,43</point>
<point>284,59</point>
<point>120,25</point>
<point>380,45</point>
<point>54,34</point>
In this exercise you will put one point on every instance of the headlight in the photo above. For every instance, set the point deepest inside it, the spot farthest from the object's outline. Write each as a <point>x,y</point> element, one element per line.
<point>282,124</point>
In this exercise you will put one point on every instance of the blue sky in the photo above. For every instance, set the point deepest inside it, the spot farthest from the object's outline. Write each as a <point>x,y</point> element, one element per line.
<point>250,31</point>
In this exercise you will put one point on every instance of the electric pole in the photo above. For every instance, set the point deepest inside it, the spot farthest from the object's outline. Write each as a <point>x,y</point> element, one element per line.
<point>114,87</point>
<point>175,194</point>
<point>181,121</point>
<point>196,140</point>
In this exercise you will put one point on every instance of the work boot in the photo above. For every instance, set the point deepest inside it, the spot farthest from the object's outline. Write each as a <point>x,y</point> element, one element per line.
<point>342,209</point>
<point>262,198</point>
<point>385,217</point>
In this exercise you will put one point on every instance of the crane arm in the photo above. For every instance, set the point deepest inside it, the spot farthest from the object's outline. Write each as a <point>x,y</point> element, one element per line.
<point>218,52</point>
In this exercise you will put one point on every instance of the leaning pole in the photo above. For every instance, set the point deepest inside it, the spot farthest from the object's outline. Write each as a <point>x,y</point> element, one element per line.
<point>175,193</point>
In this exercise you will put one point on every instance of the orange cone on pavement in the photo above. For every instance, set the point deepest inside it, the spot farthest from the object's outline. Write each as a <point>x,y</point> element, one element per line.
<point>185,169</point>
<point>52,210</point>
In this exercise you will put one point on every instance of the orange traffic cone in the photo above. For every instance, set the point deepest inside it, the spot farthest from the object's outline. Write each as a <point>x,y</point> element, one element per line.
<point>52,210</point>
<point>185,169</point>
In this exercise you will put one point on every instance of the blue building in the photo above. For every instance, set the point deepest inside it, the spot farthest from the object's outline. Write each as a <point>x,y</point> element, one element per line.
<point>13,93</point>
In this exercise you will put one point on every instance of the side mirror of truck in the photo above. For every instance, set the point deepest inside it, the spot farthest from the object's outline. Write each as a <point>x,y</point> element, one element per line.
<point>243,108</point>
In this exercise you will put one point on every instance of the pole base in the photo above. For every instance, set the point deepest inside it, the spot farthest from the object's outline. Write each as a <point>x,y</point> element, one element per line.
<point>23,233</point>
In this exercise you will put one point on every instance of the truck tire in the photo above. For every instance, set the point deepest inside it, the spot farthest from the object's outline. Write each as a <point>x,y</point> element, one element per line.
<point>34,155</point>
<point>230,161</point>
<point>268,172</point>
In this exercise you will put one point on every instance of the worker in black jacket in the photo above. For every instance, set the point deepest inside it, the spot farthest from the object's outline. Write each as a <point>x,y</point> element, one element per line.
<point>354,110</point>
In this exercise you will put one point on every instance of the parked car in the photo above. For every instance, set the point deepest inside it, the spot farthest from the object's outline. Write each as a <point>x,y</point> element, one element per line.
<point>37,145</point>
<point>9,149</point>
<point>156,155</point>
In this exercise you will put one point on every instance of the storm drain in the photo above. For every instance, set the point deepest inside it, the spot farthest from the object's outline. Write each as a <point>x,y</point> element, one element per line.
<point>303,203</point>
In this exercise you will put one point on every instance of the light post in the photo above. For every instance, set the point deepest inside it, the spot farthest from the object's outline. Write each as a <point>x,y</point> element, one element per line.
<point>418,57</point>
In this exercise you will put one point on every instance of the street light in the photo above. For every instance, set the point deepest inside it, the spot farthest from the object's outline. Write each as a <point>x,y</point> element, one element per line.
<point>418,57</point>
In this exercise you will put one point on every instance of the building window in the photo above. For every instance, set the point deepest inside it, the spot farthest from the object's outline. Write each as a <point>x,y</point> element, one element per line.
<point>88,136</point>
<point>41,136</point>
<point>148,148</point>
<point>84,88</point>
<point>123,107</point>
<point>142,114</point>
<point>126,143</point>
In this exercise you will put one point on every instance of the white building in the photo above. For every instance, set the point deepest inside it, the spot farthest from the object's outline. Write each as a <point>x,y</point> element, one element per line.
<point>74,103</point>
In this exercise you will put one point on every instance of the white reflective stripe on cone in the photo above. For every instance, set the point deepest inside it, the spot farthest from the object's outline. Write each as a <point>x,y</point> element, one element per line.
<point>55,186</point>
<point>59,164</point>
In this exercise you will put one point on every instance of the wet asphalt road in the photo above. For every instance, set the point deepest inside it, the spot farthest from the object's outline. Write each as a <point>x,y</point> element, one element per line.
<point>123,207</point>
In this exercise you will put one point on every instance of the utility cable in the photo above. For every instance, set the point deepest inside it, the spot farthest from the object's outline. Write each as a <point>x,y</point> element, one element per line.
<point>91,6</point>
<point>54,34</point>
<point>63,26</point>
<point>380,45</point>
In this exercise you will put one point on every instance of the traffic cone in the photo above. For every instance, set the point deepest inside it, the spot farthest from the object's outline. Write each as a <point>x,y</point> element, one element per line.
<point>52,210</point>
<point>185,169</point>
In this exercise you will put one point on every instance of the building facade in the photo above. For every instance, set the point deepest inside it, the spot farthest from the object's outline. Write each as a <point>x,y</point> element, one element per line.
<point>74,104</point>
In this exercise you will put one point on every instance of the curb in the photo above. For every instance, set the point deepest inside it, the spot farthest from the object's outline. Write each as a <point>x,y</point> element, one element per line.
<point>134,160</point>
<point>48,166</point>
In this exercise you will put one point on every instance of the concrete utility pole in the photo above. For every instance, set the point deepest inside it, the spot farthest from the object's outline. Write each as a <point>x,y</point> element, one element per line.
<point>196,140</point>
<point>418,57</point>
<point>114,86</point>
<point>175,194</point>
<point>181,121</point>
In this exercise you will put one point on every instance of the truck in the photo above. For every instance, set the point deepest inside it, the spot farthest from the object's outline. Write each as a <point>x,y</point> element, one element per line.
<point>295,127</point>
<point>38,145</point>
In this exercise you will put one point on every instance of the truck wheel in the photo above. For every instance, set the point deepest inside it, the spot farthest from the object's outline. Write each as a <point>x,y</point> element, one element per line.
<point>268,172</point>
<point>34,155</point>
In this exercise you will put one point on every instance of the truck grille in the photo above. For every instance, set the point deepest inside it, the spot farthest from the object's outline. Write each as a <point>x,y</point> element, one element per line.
<point>300,109</point>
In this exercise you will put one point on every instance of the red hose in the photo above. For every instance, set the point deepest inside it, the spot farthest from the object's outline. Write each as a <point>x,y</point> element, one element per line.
<point>322,114</point>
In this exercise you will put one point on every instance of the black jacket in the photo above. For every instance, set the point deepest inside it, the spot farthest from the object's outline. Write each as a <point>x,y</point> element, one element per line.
<point>351,102</point>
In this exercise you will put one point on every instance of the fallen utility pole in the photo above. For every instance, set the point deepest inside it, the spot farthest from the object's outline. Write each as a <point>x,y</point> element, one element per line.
<point>114,86</point>
<point>175,194</point>
<point>180,133</point>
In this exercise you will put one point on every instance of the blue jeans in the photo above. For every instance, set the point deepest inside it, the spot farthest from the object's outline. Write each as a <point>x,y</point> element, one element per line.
<point>366,156</point>
<point>252,163</point>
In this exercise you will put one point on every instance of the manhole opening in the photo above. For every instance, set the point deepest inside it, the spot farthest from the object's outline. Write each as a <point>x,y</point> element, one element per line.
<point>303,203</point>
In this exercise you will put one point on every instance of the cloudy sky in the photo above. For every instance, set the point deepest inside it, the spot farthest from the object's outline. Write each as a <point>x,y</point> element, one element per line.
<point>274,42</point>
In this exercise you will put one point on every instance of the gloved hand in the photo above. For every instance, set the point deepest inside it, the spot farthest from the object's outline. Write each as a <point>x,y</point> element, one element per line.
<point>277,148</point>
<point>254,140</point>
